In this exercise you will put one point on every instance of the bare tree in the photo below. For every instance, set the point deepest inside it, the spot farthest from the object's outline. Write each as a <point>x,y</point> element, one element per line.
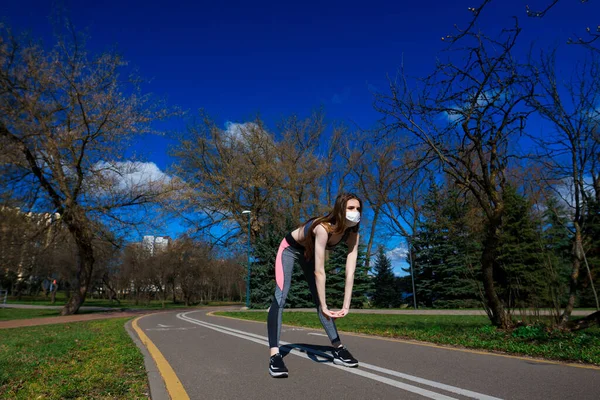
<point>246,167</point>
<point>539,11</point>
<point>464,119</point>
<point>570,152</point>
<point>66,118</point>
<point>382,176</point>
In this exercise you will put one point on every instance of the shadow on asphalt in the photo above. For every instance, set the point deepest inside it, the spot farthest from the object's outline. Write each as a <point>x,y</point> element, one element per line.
<point>311,351</point>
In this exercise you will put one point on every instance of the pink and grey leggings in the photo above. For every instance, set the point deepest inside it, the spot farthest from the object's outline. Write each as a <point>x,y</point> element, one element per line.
<point>288,254</point>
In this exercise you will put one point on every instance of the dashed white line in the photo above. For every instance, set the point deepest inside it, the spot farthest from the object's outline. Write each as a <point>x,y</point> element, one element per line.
<point>414,389</point>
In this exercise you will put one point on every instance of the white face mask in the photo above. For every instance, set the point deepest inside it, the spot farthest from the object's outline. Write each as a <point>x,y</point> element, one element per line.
<point>352,218</point>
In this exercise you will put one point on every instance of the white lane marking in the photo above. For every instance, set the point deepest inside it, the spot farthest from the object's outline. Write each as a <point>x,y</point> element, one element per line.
<point>317,334</point>
<point>170,329</point>
<point>247,336</point>
<point>164,326</point>
<point>264,340</point>
<point>453,389</point>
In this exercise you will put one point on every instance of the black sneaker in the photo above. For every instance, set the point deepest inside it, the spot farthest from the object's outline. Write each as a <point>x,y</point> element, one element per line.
<point>277,367</point>
<point>341,356</point>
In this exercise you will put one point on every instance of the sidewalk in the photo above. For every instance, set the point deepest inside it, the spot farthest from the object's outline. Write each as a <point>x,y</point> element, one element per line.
<point>119,313</point>
<point>19,323</point>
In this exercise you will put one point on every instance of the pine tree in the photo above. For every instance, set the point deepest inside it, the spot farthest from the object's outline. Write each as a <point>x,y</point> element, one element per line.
<point>262,278</point>
<point>591,245</point>
<point>362,289</point>
<point>447,252</point>
<point>521,277</point>
<point>556,244</point>
<point>335,270</point>
<point>385,294</point>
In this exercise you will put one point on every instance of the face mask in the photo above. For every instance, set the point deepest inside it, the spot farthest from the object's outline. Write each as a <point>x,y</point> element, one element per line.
<point>352,218</point>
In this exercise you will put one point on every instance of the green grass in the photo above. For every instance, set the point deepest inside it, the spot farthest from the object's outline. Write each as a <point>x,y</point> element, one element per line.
<point>81,360</point>
<point>152,304</point>
<point>469,331</point>
<point>7,314</point>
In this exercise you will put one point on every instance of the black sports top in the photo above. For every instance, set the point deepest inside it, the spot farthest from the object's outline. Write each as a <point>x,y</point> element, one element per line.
<point>307,228</point>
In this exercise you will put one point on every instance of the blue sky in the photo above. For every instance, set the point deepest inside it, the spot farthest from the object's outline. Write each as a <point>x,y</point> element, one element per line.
<point>237,59</point>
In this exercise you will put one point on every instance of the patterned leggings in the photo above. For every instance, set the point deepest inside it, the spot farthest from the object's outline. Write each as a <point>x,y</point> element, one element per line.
<point>284,265</point>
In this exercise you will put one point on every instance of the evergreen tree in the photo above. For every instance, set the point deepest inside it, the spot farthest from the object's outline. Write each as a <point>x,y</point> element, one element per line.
<point>262,281</point>
<point>447,252</point>
<point>385,293</point>
<point>262,278</point>
<point>556,245</point>
<point>521,277</point>
<point>335,270</point>
<point>591,245</point>
<point>458,279</point>
<point>362,289</point>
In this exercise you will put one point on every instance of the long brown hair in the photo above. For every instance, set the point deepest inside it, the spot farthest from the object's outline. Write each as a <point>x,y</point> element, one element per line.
<point>336,218</point>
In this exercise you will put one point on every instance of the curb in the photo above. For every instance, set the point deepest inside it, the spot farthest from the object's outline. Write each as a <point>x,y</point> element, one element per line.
<point>158,391</point>
<point>161,376</point>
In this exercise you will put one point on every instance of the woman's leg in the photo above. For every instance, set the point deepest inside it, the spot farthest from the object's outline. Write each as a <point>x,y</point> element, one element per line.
<point>284,266</point>
<point>308,268</point>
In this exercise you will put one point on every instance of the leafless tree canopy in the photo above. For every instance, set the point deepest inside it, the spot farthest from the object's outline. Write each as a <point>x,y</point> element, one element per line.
<point>66,118</point>
<point>280,178</point>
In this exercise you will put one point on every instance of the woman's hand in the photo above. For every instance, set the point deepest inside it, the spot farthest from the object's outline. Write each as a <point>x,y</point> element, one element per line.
<point>328,314</point>
<point>341,313</point>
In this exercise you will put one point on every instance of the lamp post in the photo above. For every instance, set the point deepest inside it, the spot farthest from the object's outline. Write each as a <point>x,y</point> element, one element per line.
<point>248,279</point>
<point>412,275</point>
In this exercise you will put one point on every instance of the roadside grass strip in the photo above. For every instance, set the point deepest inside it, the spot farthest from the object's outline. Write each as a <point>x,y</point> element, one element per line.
<point>468,331</point>
<point>79,360</point>
<point>61,300</point>
<point>9,314</point>
<point>309,353</point>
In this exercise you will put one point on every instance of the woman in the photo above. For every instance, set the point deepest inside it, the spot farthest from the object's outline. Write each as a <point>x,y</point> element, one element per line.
<point>307,245</point>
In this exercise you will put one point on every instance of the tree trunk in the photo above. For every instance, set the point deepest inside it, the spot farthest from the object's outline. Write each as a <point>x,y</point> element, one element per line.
<point>498,316</point>
<point>371,238</point>
<point>79,227</point>
<point>112,293</point>
<point>584,323</point>
<point>576,257</point>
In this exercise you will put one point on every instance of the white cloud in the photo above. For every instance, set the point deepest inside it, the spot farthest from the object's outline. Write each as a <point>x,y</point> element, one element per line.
<point>453,116</point>
<point>565,190</point>
<point>127,175</point>
<point>398,254</point>
<point>239,132</point>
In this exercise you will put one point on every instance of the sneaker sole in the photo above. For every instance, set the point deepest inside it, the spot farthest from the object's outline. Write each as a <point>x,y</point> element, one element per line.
<point>278,374</point>
<point>337,361</point>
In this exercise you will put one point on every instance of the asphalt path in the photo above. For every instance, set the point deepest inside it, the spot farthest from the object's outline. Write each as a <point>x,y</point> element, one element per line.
<point>222,358</point>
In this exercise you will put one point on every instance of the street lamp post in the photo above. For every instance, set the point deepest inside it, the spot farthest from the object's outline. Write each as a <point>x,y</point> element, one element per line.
<point>412,274</point>
<point>248,278</point>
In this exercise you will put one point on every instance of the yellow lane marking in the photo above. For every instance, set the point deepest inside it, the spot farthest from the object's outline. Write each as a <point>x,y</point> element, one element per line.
<point>174,386</point>
<point>437,346</point>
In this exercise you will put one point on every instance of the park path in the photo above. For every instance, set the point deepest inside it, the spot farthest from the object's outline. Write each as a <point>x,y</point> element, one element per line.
<point>216,357</point>
<point>105,312</point>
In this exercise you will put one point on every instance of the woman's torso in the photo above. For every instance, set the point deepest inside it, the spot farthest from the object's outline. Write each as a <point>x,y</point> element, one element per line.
<point>300,234</point>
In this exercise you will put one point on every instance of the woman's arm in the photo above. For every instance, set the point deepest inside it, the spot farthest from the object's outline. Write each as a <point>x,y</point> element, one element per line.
<point>321,238</point>
<point>350,268</point>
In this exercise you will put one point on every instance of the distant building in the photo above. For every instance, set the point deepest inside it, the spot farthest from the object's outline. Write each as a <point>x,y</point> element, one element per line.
<point>155,244</point>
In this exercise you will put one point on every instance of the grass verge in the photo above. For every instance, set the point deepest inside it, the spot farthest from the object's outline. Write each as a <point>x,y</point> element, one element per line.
<point>80,360</point>
<point>61,300</point>
<point>469,331</point>
<point>7,314</point>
